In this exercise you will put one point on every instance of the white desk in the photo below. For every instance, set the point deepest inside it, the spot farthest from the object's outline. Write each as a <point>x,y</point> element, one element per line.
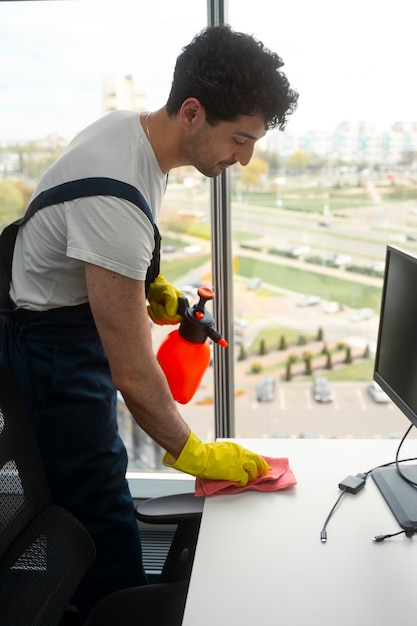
<point>260,561</point>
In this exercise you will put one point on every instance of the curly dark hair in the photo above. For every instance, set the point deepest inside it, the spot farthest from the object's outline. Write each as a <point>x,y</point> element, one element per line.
<point>232,74</point>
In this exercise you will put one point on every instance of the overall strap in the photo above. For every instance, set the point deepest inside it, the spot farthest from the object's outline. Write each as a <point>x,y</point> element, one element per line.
<point>82,188</point>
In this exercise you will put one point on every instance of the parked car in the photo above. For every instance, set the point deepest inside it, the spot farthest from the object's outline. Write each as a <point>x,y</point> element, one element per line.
<point>322,391</point>
<point>265,390</point>
<point>332,307</point>
<point>253,283</point>
<point>377,394</point>
<point>362,314</point>
<point>308,301</point>
<point>193,248</point>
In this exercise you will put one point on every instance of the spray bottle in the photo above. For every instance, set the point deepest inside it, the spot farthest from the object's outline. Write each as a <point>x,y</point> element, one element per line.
<point>184,354</point>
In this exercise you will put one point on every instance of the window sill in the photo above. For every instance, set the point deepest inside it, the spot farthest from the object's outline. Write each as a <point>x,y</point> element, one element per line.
<point>154,484</point>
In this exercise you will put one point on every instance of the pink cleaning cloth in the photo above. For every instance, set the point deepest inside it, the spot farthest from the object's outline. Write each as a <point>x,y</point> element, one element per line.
<point>279,476</point>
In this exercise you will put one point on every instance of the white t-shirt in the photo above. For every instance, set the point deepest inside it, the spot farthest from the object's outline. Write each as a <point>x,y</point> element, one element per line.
<point>51,248</point>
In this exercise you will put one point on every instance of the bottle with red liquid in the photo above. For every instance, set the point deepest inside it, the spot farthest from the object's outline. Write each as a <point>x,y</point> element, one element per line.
<point>184,354</point>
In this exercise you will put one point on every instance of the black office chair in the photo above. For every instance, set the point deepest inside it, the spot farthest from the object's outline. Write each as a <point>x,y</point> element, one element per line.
<point>161,603</point>
<point>44,550</point>
<point>184,512</point>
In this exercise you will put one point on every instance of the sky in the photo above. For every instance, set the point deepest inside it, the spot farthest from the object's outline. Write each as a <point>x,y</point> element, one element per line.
<point>348,61</point>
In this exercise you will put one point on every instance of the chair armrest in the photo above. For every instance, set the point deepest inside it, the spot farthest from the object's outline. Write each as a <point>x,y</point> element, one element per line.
<point>173,509</point>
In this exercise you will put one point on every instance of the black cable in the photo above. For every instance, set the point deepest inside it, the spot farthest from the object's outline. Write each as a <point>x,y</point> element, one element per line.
<point>397,462</point>
<point>323,532</point>
<point>379,538</point>
<point>409,533</point>
<point>362,480</point>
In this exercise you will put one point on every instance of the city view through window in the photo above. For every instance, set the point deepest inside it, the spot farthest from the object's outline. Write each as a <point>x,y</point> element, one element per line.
<point>312,213</point>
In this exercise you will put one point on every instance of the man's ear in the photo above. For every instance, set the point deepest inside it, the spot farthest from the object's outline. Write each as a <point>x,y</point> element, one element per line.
<point>192,114</point>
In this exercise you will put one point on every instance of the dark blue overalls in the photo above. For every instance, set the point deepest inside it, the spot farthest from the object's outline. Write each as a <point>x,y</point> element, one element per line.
<point>63,373</point>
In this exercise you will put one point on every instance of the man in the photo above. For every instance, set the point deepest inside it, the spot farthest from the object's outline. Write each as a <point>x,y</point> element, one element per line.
<point>80,329</point>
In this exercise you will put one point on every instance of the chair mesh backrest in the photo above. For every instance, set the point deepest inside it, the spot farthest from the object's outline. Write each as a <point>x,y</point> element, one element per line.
<point>44,550</point>
<point>24,491</point>
<point>43,568</point>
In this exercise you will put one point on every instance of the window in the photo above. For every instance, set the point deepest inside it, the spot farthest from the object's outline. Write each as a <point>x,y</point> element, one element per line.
<point>311,215</point>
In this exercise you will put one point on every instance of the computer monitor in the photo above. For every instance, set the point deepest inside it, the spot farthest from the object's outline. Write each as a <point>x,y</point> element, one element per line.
<point>396,372</point>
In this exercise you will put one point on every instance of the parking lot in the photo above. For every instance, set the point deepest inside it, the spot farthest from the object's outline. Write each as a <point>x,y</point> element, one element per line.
<point>295,413</point>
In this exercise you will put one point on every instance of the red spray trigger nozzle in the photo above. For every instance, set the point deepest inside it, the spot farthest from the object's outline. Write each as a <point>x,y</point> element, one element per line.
<point>205,293</point>
<point>198,323</point>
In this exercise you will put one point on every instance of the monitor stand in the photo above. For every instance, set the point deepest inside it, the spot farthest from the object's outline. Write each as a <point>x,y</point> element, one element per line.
<point>400,496</point>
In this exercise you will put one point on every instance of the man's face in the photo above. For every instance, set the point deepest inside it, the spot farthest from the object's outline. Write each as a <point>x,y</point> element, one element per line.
<point>211,149</point>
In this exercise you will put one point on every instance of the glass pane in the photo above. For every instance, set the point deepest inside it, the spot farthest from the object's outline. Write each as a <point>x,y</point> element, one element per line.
<point>65,64</point>
<point>313,214</point>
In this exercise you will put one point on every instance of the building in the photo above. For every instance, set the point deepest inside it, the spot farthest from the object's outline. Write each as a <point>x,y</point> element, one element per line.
<point>122,91</point>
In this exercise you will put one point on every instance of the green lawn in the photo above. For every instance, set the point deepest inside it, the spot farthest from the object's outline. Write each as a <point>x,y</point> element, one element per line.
<point>345,291</point>
<point>174,269</point>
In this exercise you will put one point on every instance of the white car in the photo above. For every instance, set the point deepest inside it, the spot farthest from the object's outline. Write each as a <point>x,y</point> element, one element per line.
<point>265,390</point>
<point>332,307</point>
<point>322,391</point>
<point>309,301</point>
<point>194,248</point>
<point>377,394</point>
<point>362,314</point>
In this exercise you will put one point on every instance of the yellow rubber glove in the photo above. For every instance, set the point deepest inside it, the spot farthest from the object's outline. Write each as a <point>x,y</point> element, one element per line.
<point>163,302</point>
<point>223,460</point>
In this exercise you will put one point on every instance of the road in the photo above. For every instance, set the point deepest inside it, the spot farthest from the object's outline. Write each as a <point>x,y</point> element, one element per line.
<point>362,233</point>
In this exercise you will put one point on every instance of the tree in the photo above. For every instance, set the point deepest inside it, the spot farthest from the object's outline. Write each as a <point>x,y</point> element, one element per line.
<point>12,202</point>
<point>307,363</point>
<point>271,157</point>
<point>329,364</point>
<point>242,353</point>
<point>262,348</point>
<point>297,162</point>
<point>288,374</point>
<point>253,172</point>
<point>348,357</point>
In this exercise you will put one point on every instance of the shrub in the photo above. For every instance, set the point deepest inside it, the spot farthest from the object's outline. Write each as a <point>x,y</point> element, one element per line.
<point>329,364</point>
<point>256,368</point>
<point>262,348</point>
<point>348,357</point>
<point>307,362</point>
<point>242,353</point>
